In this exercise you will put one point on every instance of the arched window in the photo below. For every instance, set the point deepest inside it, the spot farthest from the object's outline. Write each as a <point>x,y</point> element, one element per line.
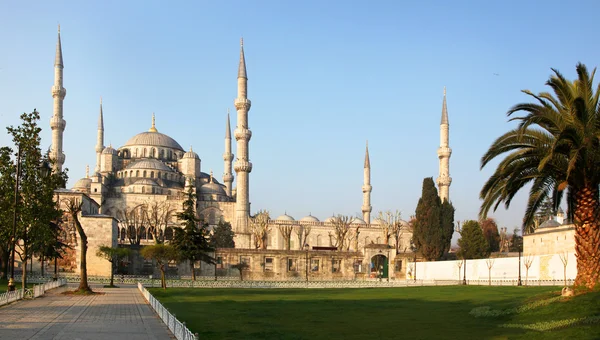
<point>170,155</point>
<point>144,152</point>
<point>135,152</point>
<point>131,232</point>
<point>142,233</point>
<point>125,173</point>
<point>367,240</point>
<point>137,173</point>
<point>144,174</point>
<point>158,174</point>
<point>168,233</point>
<point>319,241</point>
<point>151,174</point>
<point>150,235</point>
<point>143,190</point>
<point>378,240</point>
<point>211,217</point>
<point>123,233</point>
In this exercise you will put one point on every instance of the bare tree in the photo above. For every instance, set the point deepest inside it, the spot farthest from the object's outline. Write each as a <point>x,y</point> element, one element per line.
<point>302,231</point>
<point>74,209</point>
<point>490,264</point>
<point>286,232</point>
<point>259,225</point>
<point>564,258</point>
<point>527,261</point>
<point>354,235</point>
<point>341,227</point>
<point>459,264</point>
<point>504,242</point>
<point>386,219</point>
<point>158,217</point>
<point>132,220</point>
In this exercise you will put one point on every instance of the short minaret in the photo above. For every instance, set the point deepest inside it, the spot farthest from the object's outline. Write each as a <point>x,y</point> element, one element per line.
<point>242,166</point>
<point>367,188</point>
<point>228,157</point>
<point>444,153</point>
<point>99,139</point>
<point>57,123</point>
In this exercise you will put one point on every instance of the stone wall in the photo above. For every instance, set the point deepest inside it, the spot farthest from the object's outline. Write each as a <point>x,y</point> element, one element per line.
<point>100,230</point>
<point>555,240</point>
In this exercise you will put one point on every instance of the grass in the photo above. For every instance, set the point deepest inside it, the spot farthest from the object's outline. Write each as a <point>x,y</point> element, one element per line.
<point>4,285</point>
<point>378,313</point>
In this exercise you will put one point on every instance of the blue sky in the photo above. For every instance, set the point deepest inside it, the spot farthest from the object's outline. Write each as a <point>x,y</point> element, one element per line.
<point>324,76</point>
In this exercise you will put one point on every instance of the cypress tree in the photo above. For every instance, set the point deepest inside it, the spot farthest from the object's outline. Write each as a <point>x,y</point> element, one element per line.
<point>428,236</point>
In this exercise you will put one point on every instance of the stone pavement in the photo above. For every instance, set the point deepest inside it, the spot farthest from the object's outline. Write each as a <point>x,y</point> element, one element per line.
<point>121,313</point>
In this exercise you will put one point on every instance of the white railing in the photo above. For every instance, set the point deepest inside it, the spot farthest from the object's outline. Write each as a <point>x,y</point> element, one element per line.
<point>38,290</point>
<point>178,328</point>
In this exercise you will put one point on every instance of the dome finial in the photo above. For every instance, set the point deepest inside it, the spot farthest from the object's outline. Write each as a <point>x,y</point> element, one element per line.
<point>241,38</point>
<point>153,128</point>
<point>191,150</point>
<point>211,176</point>
<point>87,171</point>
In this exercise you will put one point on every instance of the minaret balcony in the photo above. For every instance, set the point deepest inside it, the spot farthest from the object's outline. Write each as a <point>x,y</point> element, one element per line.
<point>59,91</point>
<point>367,208</point>
<point>227,178</point>
<point>444,181</point>
<point>228,156</point>
<point>367,188</point>
<point>444,152</point>
<point>242,134</point>
<point>57,123</point>
<point>242,166</point>
<point>242,103</point>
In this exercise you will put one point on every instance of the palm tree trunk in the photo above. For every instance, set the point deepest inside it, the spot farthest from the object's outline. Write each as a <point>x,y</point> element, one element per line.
<point>587,237</point>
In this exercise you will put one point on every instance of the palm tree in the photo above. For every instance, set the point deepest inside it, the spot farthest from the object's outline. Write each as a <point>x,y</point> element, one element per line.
<point>556,149</point>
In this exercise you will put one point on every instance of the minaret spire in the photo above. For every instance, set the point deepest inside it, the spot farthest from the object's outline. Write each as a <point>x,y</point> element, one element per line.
<point>228,157</point>
<point>99,139</point>
<point>242,166</point>
<point>444,152</point>
<point>153,127</point>
<point>367,188</point>
<point>57,123</point>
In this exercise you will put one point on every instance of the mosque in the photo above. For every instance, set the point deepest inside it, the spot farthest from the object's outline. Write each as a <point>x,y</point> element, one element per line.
<point>152,170</point>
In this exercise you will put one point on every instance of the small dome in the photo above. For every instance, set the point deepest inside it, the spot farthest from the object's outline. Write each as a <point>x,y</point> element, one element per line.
<point>191,154</point>
<point>84,183</point>
<point>285,217</point>
<point>149,163</point>
<point>330,219</point>
<point>550,224</point>
<point>378,221</point>
<point>357,220</point>
<point>109,151</point>
<point>309,218</point>
<point>145,181</point>
<point>212,188</point>
<point>205,178</point>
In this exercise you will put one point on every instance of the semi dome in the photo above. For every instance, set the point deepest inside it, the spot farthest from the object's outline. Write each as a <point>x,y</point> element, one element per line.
<point>550,224</point>
<point>191,154</point>
<point>212,189</point>
<point>145,181</point>
<point>285,217</point>
<point>149,163</point>
<point>330,219</point>
<point>84,183</point>
<point>309,218</point>
<point>357,220</point>
<point>378,221</point>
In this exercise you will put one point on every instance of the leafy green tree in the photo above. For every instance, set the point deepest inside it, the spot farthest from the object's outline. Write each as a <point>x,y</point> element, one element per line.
<point>113,255</point>
<point>162,254</point>
<point>434,223</point>
<point>36,206</point>
<point>472,243</point>
<point>241,267</point>
<point>516,241</point>
<point>555,150</point>
<point>491,234</point>
<point>191,240</point>
<point>7,187</point>
<point>222,236</point>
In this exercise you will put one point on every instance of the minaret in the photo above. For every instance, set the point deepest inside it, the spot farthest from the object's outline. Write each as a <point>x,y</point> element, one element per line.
<point>367,188</point>
<point>444,153</point>
<point>228,157</point>
<point>99,139</point>
<point>57,123</point>
<point>242,166</point>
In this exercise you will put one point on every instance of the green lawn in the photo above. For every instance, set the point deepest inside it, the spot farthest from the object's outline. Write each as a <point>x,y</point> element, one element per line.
<point>4,285</point>
<point>379,313</point>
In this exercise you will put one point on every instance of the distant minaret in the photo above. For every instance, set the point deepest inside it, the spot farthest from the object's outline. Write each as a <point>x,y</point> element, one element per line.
<point>228,157</point>
<point>242,166</point>
<point>444,153</point>
<point>367,188</point>
<point>57,123</point>
<point>99,139</point>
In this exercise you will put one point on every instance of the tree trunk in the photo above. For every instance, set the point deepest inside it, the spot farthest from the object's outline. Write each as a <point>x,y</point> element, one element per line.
<point>24,275</point>
<point>5,261</point>
<point>42,261</point>
<point>163,282</point>
<point>193,271</point>
<point>112,273</point>
<point>587,237</point>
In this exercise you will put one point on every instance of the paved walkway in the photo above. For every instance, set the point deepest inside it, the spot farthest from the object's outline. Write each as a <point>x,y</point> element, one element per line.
<point>121,313</point>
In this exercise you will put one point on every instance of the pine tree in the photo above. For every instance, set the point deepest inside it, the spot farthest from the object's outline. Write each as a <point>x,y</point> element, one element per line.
<point>222,236</point>
<point>472,243</point>
<point>191,240</point>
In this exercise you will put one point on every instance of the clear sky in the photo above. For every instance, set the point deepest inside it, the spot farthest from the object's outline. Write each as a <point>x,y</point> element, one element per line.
<point>324,76</point>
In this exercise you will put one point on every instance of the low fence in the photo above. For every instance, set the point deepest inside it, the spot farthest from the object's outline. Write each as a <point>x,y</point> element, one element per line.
<point>36,291</point>
<point>177,327</point>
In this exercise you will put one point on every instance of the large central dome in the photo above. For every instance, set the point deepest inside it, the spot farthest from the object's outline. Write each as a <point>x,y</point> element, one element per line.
<point>153,138</point>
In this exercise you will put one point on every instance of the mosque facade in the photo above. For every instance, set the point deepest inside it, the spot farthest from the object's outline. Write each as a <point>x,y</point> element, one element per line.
<point>142,185</point>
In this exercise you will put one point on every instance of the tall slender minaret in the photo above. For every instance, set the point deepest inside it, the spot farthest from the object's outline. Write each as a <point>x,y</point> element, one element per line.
<point>57,123</point>
<point>242,166</point>
<point>444,153</point>
<point>228,157</point>
<point>99,139</point>
<point>367,188</point>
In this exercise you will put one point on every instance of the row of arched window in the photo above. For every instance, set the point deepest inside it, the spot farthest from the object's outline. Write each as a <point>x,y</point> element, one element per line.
<point>148,174</point>
<point>144,233</point>
<point>151,152</point>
